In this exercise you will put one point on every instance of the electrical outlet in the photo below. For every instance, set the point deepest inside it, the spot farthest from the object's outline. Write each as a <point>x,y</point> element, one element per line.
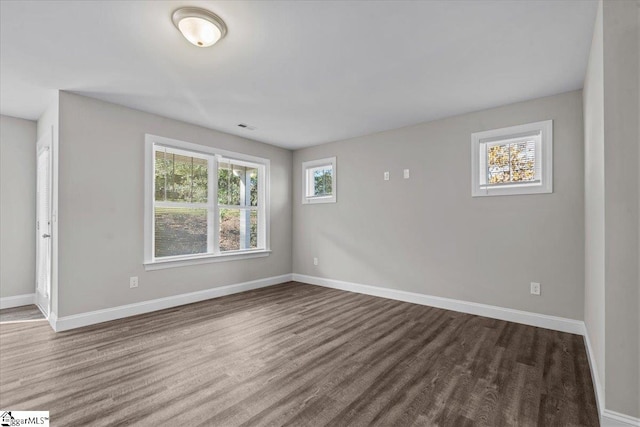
<point>315,261</point>
<point>406,174</point>
<point>386,176</point>
<point>133,282</point>
<point>535,288</point>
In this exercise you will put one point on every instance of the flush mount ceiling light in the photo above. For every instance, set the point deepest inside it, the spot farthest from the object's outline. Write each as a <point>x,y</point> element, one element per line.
<point>201,27</point>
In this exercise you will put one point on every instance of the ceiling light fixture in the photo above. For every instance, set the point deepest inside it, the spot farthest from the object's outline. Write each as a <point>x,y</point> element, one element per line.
<point>201,27</point>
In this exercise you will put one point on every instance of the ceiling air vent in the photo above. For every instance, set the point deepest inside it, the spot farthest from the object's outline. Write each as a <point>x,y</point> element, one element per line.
<point>246,126</point>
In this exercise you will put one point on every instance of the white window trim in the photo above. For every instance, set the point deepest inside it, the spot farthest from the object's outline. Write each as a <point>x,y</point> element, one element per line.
<point>544,152</point>
<point>151,263</point>
<point>306,200</point>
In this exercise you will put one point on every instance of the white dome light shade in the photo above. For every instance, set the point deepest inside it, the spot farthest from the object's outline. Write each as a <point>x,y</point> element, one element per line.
<point>201,27</point>
<point>199,31</point>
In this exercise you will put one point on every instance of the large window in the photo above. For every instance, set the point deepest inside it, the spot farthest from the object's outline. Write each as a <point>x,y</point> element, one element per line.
<point>203,204</point>
<point>319,183</point>
<point>513,160</point>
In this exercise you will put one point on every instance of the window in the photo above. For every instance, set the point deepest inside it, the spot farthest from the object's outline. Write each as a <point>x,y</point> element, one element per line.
<point>319,181</point>
<point>203,204</point>
<point>513,160</point>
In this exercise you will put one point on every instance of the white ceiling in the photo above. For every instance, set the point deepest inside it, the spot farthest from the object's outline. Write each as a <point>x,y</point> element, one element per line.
<point>302,73</point>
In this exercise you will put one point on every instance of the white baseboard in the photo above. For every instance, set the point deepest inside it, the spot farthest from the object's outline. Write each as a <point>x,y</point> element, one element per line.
<point>608,418</point>
<point>66,323</point>
<point>17,301</point>
<point>534,319</point>
<point>597,384</point>
<point>615,419</point>
<point>53,319</point>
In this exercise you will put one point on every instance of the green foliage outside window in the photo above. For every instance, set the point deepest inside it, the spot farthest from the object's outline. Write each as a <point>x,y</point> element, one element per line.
<point>183,230</point>
<point>229,184</point>
<point>322,182</point>
<point>180,178</point>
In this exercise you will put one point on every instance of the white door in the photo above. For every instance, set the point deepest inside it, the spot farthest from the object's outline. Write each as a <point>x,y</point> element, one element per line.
<point>43,226</point>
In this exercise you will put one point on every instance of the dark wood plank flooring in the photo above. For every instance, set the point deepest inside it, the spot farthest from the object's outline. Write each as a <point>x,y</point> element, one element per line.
<point>298,355</point>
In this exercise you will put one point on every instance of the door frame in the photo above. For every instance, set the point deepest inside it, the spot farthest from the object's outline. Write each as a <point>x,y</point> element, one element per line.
<point>45,143</point>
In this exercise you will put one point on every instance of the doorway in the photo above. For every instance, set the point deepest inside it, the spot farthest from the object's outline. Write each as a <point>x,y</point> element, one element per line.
<point>43,224</point>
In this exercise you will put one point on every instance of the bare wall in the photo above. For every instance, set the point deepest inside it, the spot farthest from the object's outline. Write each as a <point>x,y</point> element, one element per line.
<point>428,235</point>
<point>101,194</point>
<point>594,292</point>
<point>622,216</point>
<point>17,206</point>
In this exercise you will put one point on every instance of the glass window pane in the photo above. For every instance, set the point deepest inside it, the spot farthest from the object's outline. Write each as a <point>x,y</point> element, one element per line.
<point>200,180</point>
<point>322,180</point>
<point>498,164</point>
<point>228,184</point>
<point>237,185</point>
<point>522,156</point>
<point>229,230</point>
<point>254,230</point>
<point>180,178</point>
<point>512,162</point>
<point>253,186</point>
<point>161,170</point>
<point>180,231</point>
<point>238,229</point>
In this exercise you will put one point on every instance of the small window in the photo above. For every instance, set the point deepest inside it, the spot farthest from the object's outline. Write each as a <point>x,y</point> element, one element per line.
<point>513,160</point>
<point>203,203</point>
<point>319,181</point>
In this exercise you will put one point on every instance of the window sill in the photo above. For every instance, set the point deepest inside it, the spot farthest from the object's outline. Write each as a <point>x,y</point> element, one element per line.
<point>512,190</point>
<point>204,259</point>
<point>321,199</point>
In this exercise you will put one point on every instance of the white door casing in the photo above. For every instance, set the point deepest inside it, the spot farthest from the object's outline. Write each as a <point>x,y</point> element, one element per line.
<point>43,223</point>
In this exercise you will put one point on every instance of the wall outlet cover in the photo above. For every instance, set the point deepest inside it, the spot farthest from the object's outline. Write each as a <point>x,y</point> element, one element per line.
<point>535,288</point>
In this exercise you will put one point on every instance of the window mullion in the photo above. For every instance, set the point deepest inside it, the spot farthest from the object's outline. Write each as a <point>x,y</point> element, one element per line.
<point>185,205</point>
<point>152,219</point>
<point>213,217</point>
<point>262,227</point>
<point>487,173</point>
<point>245,216</point>
<point>510,164</point>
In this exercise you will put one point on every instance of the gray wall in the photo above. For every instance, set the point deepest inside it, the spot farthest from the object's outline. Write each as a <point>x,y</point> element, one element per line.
<point>428,235</point>
<point>594,292</point>
<point>17,206</point>
<point>622,256</point>
<point>101,194</point>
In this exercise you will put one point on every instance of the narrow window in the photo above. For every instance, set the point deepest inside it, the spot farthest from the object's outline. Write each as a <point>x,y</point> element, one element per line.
<point>514,160</point>
<point>319,184</point>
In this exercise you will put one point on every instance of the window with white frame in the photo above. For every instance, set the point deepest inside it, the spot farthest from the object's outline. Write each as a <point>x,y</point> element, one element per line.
<point>203,203</point>
<point>319,183</point>
<point>513,160</point>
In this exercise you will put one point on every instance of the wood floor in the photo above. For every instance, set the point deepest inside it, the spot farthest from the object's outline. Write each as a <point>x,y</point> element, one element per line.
<point>26,313</point>
<point>298,355</point>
